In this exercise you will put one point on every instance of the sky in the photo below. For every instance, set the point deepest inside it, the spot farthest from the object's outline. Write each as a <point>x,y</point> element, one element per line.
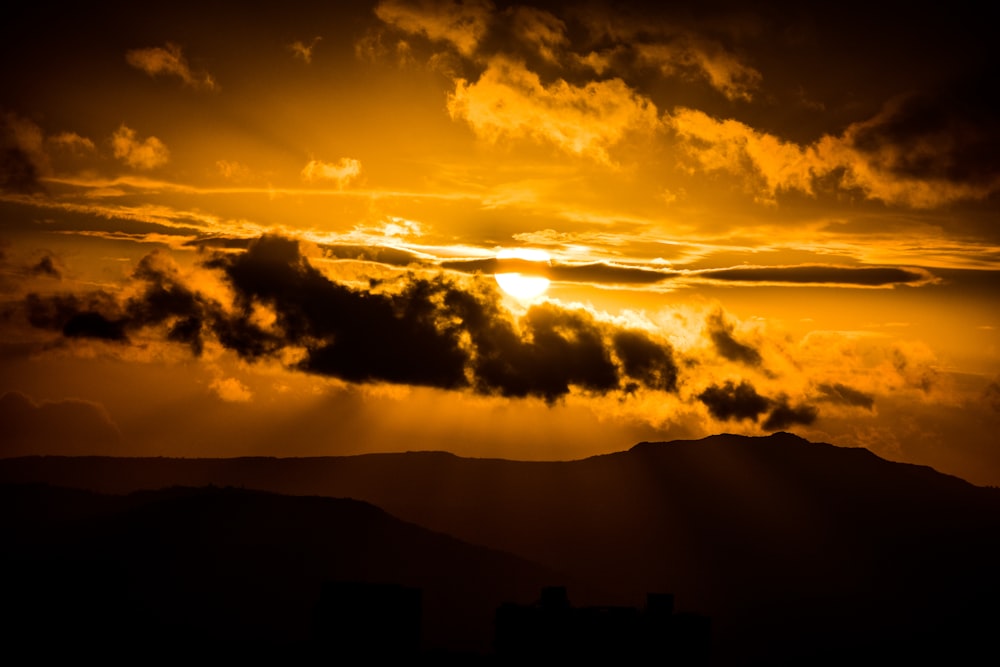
<point>232,229</point>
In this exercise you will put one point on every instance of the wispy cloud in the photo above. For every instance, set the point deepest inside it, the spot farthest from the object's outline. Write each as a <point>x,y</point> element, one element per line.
<point>694,57</point>
<point>304,51</point>
<point>342,172</point>
<point>461,23</point>
<point>169,60</point>
<point>542,30</point>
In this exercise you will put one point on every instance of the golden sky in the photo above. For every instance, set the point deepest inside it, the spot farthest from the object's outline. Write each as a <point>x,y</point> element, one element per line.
<point>230,231</point>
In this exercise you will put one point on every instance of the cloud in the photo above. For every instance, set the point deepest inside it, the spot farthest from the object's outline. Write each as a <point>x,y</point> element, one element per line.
<point>721,334</point>
<point>22,157</point>
<point>146,154</point>
<point>72,142</point>
<point>844,395</point>
<point>784,415</point>
<point>768,163</point>
<point>372,253</point>
<point>542,30</point>
<point>162,300</point>
<point>234,171</point>
<point>623,274</point>
<point>231,390</point>
<point>170,61</point>
<point>510,101</point>
<point>592,272</point>
<point>166,300</point>
<point>69,427</point>
<point>342,172</point>
<point>734,401</point>
<point>432,332</point>
<point>47,266</point>
<point>931,147</point>
<point>302,50</point>
<point>28,155</point>
<point>695,57</point>
<point>917,152</point>
<point>646,361</point>
<point>817,274</point>
<point>95,315</point>
<point>18,173</point>
<point>731,401</point>
<point>461,23</point>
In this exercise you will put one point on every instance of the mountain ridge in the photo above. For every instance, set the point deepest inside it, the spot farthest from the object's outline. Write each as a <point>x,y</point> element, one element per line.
<point>831,544</point>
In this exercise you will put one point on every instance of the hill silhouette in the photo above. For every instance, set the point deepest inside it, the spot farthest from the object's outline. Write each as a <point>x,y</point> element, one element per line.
<point>801,553</point>
<point>230,569</point>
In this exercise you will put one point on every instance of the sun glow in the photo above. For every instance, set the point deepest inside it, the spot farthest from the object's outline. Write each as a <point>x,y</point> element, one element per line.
<point>522,285</point>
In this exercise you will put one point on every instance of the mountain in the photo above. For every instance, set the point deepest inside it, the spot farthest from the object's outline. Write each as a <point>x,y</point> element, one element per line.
<point>222,567</point>
<point>799,552</point>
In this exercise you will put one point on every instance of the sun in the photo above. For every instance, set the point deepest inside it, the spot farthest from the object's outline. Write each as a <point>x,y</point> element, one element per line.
<point>528,282</point>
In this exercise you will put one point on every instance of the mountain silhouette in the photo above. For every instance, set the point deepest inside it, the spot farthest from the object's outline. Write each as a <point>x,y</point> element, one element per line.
<point>801,553</point>
<point>214,567</point>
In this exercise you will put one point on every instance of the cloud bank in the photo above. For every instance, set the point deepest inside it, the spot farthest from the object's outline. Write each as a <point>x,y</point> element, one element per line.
<point>413,330</point>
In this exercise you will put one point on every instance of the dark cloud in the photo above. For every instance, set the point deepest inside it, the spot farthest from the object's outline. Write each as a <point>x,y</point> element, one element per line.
<point>734,401</point>
<point>47,266</point>
<point>784,415</point>
<point>90,324</point>
<point>20,168</point>
<point>411,330</point>
<point>595,272</point>
<point>559,348</point>
<point>818,274</point>
<point>17,172</point>
<point>492,265</point>
<point>96,315</point>
<point>431,331</point>
<point>841,393</point>
<point>358,336</point>
<point>727,346</point>
<point>614,274</point>
<point>645,360</point>
<point>361,253</point>
<point>227,242</point>
<point>20,172</point>
<point>164,300</point>
<point>948,135</point>
<point>66,427</point>
<point>369,253</point>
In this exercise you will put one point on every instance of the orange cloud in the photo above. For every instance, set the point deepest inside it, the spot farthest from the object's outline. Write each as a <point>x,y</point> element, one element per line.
<point>509,100</point>
<point>542,30</point>
<point>342,172</point>
<point>770,164</point>
<point>72,142</point>
<point>705,59</point>
<point>462,23</point>
<point>146,154</point>
<point>169,60</point>
<point>302,50</point>
<point>231,390</point>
